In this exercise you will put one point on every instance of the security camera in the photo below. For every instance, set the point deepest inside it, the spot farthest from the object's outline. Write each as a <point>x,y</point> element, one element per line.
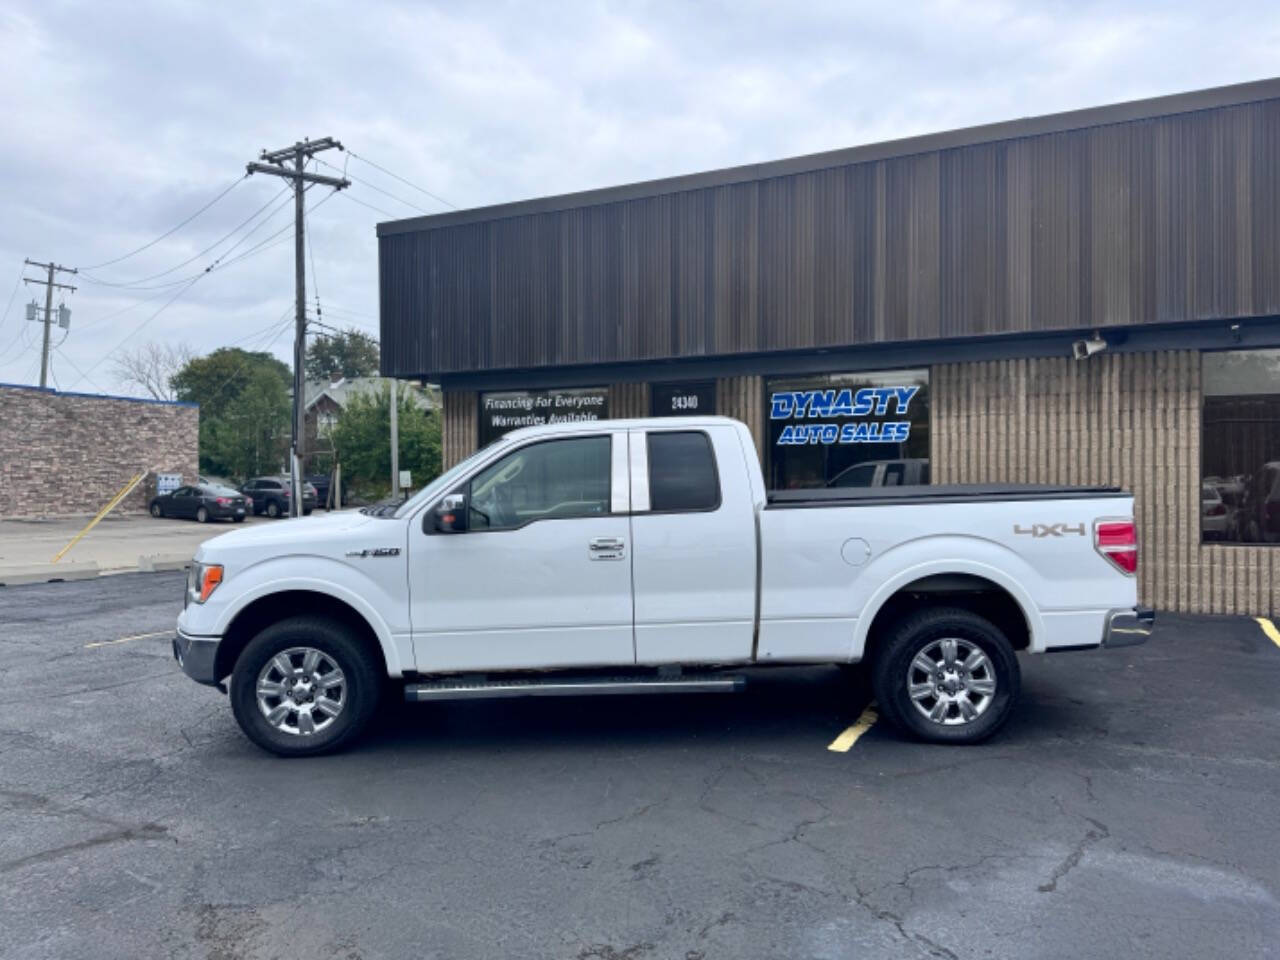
<point>1083,349</point>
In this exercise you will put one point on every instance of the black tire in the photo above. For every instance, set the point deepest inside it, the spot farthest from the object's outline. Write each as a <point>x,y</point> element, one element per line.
<point>273,509</point>
<point>237,519</point>
<point>914,634</point>
<point>202,514</point>
<point>307,513</point>
<point>157,511</point>
<point>363,683</point>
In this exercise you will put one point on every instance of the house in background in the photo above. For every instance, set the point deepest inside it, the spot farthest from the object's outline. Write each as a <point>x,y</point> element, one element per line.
<point>326,399</point>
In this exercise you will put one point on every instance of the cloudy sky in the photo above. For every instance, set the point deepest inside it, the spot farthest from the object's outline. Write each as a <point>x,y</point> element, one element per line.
<point>120,125</point>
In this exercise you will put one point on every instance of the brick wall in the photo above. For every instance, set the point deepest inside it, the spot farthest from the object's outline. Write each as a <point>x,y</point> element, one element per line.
<point>68,453</point>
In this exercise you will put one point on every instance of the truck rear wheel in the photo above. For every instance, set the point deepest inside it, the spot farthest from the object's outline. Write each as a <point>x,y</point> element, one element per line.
<point>304,686</point>
<point>946,675</point>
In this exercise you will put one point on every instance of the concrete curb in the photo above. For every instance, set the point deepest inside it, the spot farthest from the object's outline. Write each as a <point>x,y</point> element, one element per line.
<point>47,572</point>
<point>157,562</point>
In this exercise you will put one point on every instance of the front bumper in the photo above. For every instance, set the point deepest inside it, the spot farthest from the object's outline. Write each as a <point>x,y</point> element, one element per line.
<point>1128,628</point>
<point>196,656</point>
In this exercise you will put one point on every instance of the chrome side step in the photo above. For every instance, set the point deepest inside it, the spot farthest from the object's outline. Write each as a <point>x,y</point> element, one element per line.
<point>568,687</point>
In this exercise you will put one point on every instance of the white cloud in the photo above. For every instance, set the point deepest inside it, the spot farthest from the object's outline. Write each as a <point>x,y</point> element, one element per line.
<point>121,122</point>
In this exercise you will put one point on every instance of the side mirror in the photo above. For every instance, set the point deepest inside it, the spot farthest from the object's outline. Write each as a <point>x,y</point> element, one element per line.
<point>451,513</point>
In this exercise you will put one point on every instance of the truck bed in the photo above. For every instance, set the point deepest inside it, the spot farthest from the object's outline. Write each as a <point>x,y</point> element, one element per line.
<point>932,493</point>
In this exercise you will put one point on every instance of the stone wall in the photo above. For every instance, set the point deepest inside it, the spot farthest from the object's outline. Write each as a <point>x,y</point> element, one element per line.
<point>64,454</point>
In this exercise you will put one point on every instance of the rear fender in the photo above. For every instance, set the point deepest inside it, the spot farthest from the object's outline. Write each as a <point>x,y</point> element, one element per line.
<point>909,566</point>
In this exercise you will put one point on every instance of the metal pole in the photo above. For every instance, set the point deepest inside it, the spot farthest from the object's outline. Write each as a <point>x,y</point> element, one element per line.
<point>395,443</point>
<point>299,336</point>
<point>48,315</point>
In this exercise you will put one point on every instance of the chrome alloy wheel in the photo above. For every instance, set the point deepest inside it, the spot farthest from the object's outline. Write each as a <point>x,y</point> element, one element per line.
<point>951,681</point>
<point>301,690</point>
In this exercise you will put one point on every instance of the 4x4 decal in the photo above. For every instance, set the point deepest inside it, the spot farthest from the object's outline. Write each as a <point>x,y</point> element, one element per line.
<point>1049,529</point>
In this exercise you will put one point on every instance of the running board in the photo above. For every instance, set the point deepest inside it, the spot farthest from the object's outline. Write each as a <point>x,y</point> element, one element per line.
<point>568,687</point>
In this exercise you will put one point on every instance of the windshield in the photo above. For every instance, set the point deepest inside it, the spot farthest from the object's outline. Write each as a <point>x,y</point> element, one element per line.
<point>447,479</point>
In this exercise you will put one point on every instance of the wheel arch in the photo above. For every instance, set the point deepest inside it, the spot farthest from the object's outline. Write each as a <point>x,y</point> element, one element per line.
<point>985,592</point>
<point>262,611</point>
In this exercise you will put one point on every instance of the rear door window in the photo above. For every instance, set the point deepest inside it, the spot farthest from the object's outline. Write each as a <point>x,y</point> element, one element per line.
<point>682,472</point>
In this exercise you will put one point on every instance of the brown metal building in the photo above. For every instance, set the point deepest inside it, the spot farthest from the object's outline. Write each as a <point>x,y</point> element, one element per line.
<point>973,265</point>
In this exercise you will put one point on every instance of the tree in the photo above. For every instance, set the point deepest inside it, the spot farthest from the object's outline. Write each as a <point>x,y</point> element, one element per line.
<point>351,353</point>
<point>152,367</point>
<point>244,410</point>
<point>362,439</point>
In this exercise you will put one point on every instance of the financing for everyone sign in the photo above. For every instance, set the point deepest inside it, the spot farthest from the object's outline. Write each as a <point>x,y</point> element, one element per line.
<point>511,409</point>
<point>863,411</point>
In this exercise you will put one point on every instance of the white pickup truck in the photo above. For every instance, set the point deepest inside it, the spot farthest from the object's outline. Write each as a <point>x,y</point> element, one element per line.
<point>646,556</point>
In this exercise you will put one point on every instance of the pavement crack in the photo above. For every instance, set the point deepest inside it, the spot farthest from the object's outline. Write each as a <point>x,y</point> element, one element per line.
<point>1098,832</point>
<point>930,946</point>
<point>633,815</point>
<point>146,831</point>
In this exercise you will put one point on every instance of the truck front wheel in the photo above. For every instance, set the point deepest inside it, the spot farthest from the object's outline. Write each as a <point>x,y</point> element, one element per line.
<point>946,675</point>
<point>304,686</point>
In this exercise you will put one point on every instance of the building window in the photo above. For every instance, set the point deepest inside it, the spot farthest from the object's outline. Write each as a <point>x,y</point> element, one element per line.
<point>848,430</point>
<point>1240,447</point>
<point>512,409</point>
<point>682,472</point>
<point>688,399</point>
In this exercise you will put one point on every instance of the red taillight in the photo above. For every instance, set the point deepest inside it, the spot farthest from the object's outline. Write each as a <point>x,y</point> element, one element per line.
<point>224,501</point>
<point>1217,510</point>
<point>1117,540</point>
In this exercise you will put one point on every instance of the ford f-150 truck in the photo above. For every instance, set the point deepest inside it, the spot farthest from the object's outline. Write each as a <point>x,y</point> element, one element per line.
<point>646,556</point>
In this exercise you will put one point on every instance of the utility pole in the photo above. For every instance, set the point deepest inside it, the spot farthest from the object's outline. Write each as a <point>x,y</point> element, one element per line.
<point>273,163</point>
<point>48,307</point>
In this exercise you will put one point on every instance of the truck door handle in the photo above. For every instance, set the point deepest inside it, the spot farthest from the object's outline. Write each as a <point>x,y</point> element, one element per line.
<point>606,548</point>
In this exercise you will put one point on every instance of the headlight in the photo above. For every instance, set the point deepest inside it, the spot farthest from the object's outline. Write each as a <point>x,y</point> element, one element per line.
<point>202,580</point>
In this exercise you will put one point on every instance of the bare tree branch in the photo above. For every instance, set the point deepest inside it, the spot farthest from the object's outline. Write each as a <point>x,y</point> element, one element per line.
<point>151,367</point>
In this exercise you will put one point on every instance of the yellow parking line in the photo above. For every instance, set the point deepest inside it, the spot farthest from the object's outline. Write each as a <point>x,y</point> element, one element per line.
<point>1269,629</point>
<point>139,636</point>
<point>849,737</point>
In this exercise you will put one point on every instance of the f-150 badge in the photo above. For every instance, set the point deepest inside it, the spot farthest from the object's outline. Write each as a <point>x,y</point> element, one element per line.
<point>375,552</point>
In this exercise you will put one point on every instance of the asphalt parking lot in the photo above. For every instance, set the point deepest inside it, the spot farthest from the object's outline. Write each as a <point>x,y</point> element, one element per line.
<point>1129,810</point>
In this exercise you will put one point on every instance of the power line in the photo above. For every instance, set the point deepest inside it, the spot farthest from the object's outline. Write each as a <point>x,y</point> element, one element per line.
<point>385,193</point>
<point>16,284</point>
<point>137,284</point>
<point>396,176</point>
<point>67,358</point>
<point>216,266</point>
<point>136,330</point>
<point>194,280</point>
<point>385,213</point>
<point>231,186</point>
<point>315,283</point>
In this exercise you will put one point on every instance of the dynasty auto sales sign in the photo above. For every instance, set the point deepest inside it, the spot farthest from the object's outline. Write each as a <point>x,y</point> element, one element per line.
<point>863,411</point>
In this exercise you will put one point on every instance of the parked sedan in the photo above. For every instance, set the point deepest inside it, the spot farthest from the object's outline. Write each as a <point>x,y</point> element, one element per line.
<point>271,496</point>
<point>203,502</point>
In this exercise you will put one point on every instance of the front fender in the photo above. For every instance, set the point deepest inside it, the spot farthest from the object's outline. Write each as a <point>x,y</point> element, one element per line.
<point>914,560</point>
<point>325,576</point>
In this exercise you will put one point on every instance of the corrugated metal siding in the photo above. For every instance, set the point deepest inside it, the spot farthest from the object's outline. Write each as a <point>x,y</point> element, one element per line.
<point>460,426</point>
<point>1130,420</point>
<point>628,400</point>
<point>743,399</point>
<point>1151,221</point>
